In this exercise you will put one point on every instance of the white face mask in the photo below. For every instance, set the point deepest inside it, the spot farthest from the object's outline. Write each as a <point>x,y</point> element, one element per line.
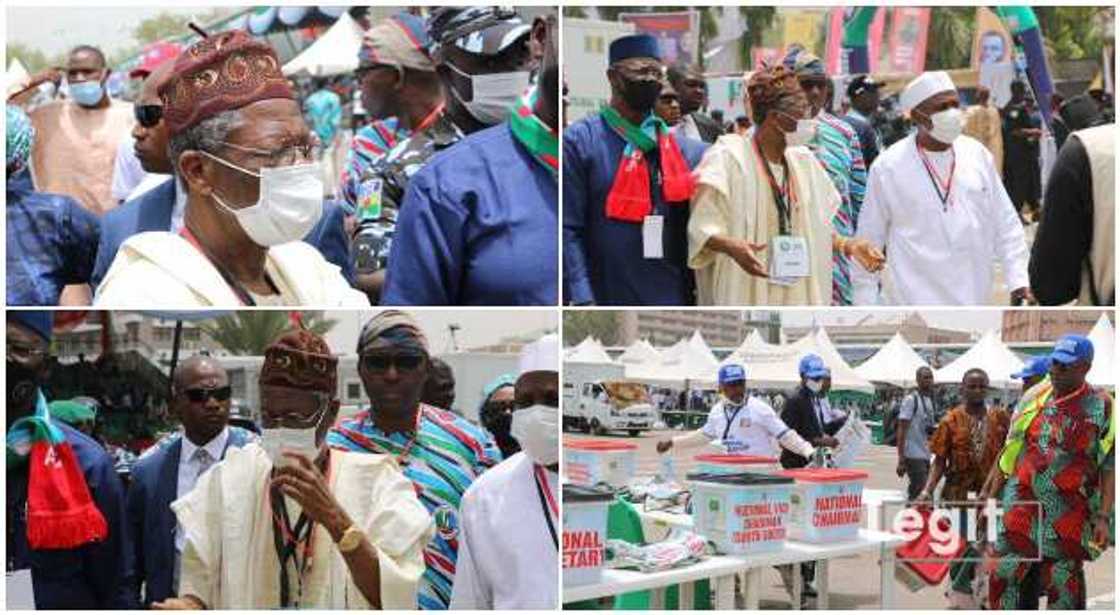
<point>290,203</point>
<point>279,439</point>
<point>814,385</point>
<point>493,95</point>
<point>947,125</point>
<point>804,134</point>
<point>537,430</point>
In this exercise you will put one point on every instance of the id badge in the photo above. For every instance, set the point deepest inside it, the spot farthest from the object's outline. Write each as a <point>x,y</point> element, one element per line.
<point>369,199</point>
<point>652,228</point>
<point>789,258</point>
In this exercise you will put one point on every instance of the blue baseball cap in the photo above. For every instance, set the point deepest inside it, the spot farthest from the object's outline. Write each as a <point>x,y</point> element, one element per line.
<point>732,372</point>
<point>1038,366</point>
<point>812,366</point>
<point>1071,349</point>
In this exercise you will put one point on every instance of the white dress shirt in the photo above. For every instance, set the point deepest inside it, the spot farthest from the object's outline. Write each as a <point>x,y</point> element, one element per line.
<point>191,467</point>
<point>507,559</point>
<point>939,254</point>
<point>753,429</point>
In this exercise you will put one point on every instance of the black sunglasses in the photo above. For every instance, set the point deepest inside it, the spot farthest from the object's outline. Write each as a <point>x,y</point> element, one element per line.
<point>403,362</point>
<point>148,115</point>
<point>501,406</point>
<point>201,395</point>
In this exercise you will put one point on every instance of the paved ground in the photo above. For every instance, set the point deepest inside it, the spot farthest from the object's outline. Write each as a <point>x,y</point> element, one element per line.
<point>855,580</point>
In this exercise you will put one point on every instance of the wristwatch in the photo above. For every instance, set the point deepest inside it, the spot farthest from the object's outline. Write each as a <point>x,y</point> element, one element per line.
<point>350,540</point>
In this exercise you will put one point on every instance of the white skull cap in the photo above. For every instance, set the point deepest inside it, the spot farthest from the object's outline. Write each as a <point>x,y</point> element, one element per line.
<point>924,86</point>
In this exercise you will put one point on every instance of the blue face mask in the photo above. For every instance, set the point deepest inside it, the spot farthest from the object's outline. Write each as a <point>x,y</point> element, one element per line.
<point>87,93</point>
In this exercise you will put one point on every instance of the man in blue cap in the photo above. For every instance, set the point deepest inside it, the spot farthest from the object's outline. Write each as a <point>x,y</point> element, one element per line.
<point>627,183</point>
<point>1033,372</point>
<point>742,424</point>
<point>808,412</point>
<point>1056,478</point>
<point>66,544</point>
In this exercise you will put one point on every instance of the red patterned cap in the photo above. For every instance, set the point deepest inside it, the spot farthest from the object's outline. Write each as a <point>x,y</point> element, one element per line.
<point>223,72</point>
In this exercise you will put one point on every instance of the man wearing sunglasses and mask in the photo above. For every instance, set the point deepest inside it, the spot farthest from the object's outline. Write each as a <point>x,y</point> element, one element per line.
<point>286,522</point>
<point>505,565</point>
<point>441,453</point>
<point>161,206</point>
<point>936,203</point>
<point>247,161</point>
<point>627,182</point>
<point>200,399</point>
<point>78,137</point>
<point>66,542</point>
<point>478,223</point>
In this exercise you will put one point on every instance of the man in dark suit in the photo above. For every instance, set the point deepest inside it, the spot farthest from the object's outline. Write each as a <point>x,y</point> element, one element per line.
<point>169,470</point>
<point>809,414</point>
<point>162,207</point>
<point>688,81</point>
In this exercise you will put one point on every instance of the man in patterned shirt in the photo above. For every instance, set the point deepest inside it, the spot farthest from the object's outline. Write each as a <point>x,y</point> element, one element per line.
<point>836,146</point>
<point>441,453</point>
<point>1056,476</point>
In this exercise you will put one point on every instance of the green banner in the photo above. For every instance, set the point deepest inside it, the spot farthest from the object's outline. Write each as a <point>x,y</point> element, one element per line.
<point>1017,18</point>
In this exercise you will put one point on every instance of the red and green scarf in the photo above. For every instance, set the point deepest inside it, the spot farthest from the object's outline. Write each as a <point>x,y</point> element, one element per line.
<point>60,512</point>
<point>536,136</point>
<point>630,197</point>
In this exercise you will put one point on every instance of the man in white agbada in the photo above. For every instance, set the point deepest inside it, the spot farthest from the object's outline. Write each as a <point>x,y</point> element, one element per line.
<point>766,192</point>
<point>508,540</point>
<point>937,206</point>
<point>270,529</point>
<point>247,162</point>
<point>744,425</point>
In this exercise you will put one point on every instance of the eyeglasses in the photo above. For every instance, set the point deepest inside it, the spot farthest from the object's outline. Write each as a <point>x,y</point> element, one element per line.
<point>148,115</point>
<point>403,362</point>
<point>201,395</point>
<point>284,156</point>
<point>23,352</point>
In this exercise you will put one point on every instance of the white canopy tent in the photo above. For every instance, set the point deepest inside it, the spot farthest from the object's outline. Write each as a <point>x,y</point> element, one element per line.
<point>989,354</point>
<point>895,364</point>
<point>640,352</point>
<point>688,360</point>
<point>770,366</point>
<point>17,76</point>
<point>590,350</point>
<point>334,53</point>
<point>1103,336</point>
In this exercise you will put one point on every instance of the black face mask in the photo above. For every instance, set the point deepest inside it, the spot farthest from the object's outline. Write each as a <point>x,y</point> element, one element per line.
<point>641,94</point>
<point>22,386</point>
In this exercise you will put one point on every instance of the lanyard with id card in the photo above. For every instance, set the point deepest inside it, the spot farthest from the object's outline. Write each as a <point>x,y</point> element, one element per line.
<point>653,227</point>
<point>788,253</point>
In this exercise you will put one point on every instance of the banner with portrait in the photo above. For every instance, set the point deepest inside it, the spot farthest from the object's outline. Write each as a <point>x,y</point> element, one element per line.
<point>909,33</point>
<point>993,56</point>
<point>677,34</point>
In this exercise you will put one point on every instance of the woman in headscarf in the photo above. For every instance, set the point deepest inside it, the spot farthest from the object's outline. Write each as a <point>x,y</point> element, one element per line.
<point>496,413</point>
<point>52,240</point>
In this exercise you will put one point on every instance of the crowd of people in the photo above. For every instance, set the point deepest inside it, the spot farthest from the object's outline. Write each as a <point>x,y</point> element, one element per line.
<point>1047,461</point>
<point>208,189</point>
<point>803,203</point>
<point>401,506</point>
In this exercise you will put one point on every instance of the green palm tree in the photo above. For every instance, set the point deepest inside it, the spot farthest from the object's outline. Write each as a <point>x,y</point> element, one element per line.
<point>950,37</point>
<point>249,333</point>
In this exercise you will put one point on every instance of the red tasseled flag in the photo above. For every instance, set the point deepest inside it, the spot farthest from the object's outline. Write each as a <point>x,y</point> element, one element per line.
<point>629,199</point>
<point>677,181</point>
<point>60,512</point>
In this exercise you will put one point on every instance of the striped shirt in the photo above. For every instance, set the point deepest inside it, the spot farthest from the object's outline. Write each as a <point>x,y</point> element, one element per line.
<point>448,455</point>
<point>369,145</point>
<point>837,148</point>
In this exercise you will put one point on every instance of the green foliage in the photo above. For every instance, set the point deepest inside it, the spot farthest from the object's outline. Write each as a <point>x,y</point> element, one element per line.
<point>602,325</point>
<point>950,37</point>
<point>249,333</point>
<point>1075,32</point>
<point>33,59</point>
